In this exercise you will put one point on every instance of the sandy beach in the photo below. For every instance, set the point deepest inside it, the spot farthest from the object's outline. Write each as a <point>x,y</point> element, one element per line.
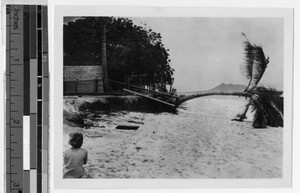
<point>200,141</point>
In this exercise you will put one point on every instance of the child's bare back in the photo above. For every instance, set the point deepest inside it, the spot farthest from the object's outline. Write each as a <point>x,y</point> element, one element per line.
<point>75,157</point>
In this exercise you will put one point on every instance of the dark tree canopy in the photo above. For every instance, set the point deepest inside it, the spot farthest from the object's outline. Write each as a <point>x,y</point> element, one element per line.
<point>134,54</point>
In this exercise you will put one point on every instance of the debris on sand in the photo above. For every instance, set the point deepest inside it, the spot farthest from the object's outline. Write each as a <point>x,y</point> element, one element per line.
<point>127,127</point>
<point>137,122</point>
<point>199,142</point>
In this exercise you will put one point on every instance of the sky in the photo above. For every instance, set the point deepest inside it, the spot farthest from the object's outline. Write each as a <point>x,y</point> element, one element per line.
<point>206,52</point>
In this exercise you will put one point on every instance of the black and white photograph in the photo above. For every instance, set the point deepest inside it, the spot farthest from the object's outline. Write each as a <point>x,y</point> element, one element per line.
<point>173,97</point>
<point>148,95</point>
<point>156,97</point>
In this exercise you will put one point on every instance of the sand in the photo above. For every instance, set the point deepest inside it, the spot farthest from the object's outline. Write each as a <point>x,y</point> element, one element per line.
<point>199,142</point>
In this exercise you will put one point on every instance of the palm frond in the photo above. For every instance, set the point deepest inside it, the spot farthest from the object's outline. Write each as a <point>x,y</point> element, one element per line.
<point>259,118</point>
<point>259,66</point>
<point>249,58</point>
<point>267,106</point>
<point>255,63</point>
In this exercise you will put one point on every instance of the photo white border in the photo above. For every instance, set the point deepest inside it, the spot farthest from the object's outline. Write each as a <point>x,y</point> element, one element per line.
<point>56,90</point>
<point>165,3</point>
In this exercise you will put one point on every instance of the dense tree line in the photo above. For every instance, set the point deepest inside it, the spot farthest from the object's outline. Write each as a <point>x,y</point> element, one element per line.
<point>134,54</point>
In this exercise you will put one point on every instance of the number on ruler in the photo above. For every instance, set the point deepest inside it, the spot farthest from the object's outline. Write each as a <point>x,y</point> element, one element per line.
<point>16,185</point>
<point>44,58</point>
<point>16,121</point>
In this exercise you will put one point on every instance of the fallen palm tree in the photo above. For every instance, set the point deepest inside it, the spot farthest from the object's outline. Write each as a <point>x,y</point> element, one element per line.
<point>266,103</point>
<point>183,99</point>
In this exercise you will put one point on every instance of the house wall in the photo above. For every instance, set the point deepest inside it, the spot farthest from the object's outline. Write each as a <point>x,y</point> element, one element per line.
<point>83,79</point>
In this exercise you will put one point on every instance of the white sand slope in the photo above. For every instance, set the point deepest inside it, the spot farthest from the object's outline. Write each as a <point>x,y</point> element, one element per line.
<point>200,142</point>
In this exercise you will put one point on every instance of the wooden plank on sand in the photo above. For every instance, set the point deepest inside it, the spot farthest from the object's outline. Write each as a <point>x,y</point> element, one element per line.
<point>139,94</point>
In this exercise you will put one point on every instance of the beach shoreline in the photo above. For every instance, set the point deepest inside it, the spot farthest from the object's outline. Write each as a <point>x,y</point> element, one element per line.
<point>198,142</point>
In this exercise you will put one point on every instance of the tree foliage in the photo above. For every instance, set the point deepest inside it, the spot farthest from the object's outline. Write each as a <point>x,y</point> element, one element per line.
<point>266,103</point>
<point>255,63</point>
<point>135,54</point>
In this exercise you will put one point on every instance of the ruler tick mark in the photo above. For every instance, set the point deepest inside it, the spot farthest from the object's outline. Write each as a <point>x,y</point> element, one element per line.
<point>15,157</point>
<point>16,127</point>
<point>20,190</point>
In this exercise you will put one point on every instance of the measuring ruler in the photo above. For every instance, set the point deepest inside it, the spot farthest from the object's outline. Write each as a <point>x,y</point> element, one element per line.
<point>27,90</point>
<point>14,99</point>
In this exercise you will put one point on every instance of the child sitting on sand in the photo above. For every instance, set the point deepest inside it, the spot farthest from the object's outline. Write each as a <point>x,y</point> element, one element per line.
<point>75,157</point>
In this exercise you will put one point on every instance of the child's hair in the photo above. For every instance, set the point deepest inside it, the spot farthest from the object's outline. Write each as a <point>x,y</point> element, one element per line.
<point>76,140</point>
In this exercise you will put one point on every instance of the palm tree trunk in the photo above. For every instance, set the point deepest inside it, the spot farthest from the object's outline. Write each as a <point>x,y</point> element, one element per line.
<point>242,116</point>
<point>202,94</point>
<point>106,85</point>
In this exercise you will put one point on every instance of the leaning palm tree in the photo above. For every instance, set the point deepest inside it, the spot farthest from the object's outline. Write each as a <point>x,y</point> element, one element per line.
<point>253,68</point>
<point>266,104</point>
